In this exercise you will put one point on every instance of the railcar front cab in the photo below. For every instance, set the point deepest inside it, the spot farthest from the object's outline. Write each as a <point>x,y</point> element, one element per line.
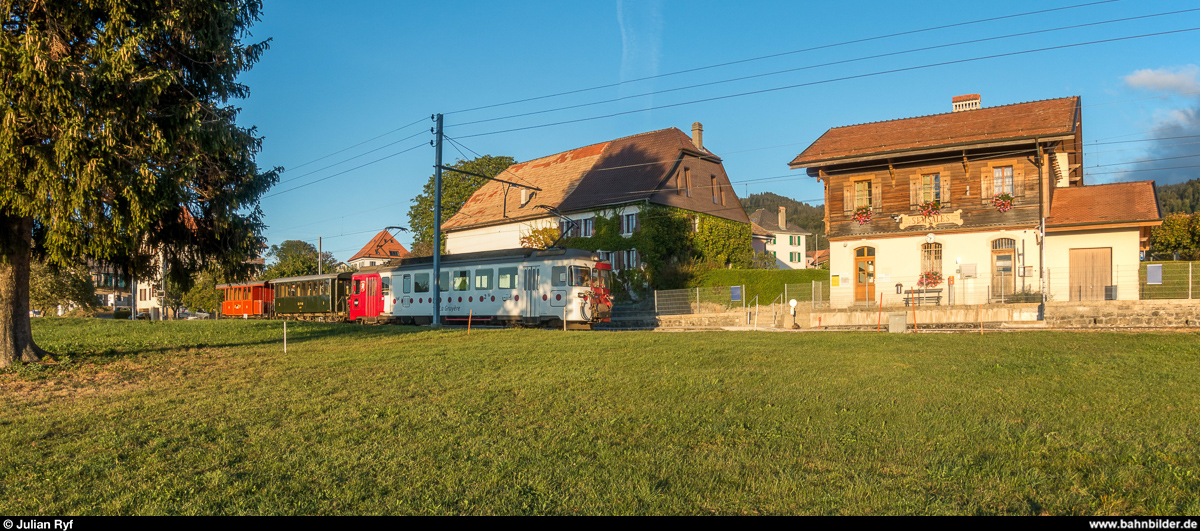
<point>590,286</point>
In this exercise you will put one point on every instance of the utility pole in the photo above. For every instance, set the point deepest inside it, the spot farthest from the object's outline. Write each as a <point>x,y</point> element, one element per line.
<point>437,221</point>
<point>319,252</point>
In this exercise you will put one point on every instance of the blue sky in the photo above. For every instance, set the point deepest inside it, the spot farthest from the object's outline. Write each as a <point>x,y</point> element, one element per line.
<point>336,77</point>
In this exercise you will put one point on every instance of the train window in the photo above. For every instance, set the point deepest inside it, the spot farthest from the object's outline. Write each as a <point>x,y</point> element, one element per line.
<point>462,280</point>
<point>407,283</point>
<point>422,282</point>
<point>507,278</point>
<point>483,279</point>
<point>579,276</point>
<point>325,288</point>
<point>387,286</point>
<point>604,280</point>
<point>444,281</point>
<point>558,276</point>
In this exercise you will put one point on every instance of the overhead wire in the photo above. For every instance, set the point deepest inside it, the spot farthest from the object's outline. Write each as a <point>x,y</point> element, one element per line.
<point>843,78</point>
<point>343,172</point>
<point>808,67</point>
<point>363,154</point>
<point>781,54</point>
<point>398,129</point>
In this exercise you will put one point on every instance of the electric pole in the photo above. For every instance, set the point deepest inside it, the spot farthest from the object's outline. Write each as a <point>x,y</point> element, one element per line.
<point>437,221</point>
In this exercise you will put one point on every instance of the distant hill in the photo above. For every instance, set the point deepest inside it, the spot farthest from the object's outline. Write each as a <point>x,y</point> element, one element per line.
<point>808,217</point>
<point>1183,197</point>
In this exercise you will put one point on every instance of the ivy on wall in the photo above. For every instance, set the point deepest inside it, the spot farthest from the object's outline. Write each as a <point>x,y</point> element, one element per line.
<point>670,246</point>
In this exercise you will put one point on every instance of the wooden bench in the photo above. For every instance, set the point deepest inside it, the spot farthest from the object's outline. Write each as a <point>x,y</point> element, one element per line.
<point>923,297</point>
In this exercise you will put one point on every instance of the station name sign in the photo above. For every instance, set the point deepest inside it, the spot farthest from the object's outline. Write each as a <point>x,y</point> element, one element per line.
<point>948,218</point>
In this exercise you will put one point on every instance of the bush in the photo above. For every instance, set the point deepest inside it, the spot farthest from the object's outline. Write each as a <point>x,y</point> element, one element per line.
<point>121,314</point>
<point>765,283</point>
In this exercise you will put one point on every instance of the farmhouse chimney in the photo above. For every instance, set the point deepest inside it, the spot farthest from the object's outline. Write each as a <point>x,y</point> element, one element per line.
<point>698,135</point>
<point>966,102</point>
<point>782,218</point>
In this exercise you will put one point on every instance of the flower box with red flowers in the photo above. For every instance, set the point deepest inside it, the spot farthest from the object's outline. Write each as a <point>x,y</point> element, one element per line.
<point>929,279</point>
<point>862,215</point>
<point>930,208</point>
<point>1003,202</point>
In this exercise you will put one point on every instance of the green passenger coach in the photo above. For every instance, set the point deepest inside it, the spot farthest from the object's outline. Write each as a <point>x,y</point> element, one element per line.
<point>313,297</point>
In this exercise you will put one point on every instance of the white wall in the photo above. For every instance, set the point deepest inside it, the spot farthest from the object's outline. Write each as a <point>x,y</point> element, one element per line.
<point>1125,259</point>
<point>508,236</point>
<point>898,260</point>
<point>783,251</point>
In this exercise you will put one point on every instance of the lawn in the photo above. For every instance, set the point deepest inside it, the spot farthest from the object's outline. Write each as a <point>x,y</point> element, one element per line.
<point>206,417</point>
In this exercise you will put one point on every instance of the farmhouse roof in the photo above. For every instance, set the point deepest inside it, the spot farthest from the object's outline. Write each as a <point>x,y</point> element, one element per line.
<point>1127,202</point>
<point>626,170</point>
<point>770,222</point>
<point>1036,119</point>
<point>758,230</point>
<point>381,246</point>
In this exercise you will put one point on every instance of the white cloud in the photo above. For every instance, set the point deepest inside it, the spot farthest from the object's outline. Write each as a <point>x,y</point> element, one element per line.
<point>1180,81</point>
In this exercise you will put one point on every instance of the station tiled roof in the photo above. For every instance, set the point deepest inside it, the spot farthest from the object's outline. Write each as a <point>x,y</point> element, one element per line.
<point>989,124</point>
<point>1104,203</point>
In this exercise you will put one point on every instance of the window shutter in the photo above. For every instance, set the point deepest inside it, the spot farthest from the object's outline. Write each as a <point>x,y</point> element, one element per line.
<point>1018,182</point>
<point>637,222</point>
<point>575,229</point>
<point>621,224</point>
<point>914,192</point>
<point>985,186</point>
<point>848,199</point>
<point>945,190</point>
<point>637,258</point>
<point>876,195</point>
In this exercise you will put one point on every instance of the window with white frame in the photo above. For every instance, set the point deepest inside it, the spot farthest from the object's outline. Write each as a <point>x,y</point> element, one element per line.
<point>629,223</point>
<point>586,227</point>
<point>862,194</point>
<point>931,187</point>
<point>1002,180</point>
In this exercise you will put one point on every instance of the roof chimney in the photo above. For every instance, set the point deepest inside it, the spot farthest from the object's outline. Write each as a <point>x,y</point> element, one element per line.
<point>966,102</point>
<point>782,218</point>
<point>698,135</point>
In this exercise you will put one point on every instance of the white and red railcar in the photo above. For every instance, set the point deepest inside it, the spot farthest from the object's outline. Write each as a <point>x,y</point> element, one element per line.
<point>515,286</point>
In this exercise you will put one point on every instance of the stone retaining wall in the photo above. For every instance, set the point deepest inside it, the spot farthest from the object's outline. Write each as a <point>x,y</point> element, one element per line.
<point>1100,314</point>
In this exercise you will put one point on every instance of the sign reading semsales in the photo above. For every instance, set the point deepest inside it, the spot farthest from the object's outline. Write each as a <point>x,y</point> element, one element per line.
<point>907,221</point>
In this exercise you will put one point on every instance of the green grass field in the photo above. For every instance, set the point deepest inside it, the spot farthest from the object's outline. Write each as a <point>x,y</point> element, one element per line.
<point>208,417</point>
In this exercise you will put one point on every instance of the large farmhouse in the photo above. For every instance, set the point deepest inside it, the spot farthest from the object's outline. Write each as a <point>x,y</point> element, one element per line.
<point>978,205</point>
<point>619,178</point>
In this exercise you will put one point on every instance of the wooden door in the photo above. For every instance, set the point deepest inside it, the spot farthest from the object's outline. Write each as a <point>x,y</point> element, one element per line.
<point>864,276</point>
<point>1091,272</point>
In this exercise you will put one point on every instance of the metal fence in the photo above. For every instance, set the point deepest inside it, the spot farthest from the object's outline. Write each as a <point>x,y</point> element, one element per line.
<point>720,299</point>
<point>815,294</point>
<point>1169,280</point>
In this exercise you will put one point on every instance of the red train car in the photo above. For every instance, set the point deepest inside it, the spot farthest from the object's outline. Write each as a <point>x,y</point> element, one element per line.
<point>249,299</point>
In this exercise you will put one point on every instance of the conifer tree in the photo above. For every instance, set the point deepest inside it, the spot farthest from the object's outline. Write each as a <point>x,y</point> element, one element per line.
<point>118,143</point>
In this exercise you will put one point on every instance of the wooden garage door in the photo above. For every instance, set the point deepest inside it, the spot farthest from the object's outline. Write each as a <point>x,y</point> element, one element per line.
<point>1091,272</point>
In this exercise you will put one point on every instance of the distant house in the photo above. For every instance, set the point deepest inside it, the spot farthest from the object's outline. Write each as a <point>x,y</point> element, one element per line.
<point>382,248</point>
<point>956,202</point>
<point>615,178</point>
<point>817,258</point>
<point>789,245</point>
<point>760,238</point>
<point>112,289</point>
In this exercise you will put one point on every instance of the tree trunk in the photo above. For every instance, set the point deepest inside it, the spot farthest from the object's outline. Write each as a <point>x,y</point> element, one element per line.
<point>16,336</point>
